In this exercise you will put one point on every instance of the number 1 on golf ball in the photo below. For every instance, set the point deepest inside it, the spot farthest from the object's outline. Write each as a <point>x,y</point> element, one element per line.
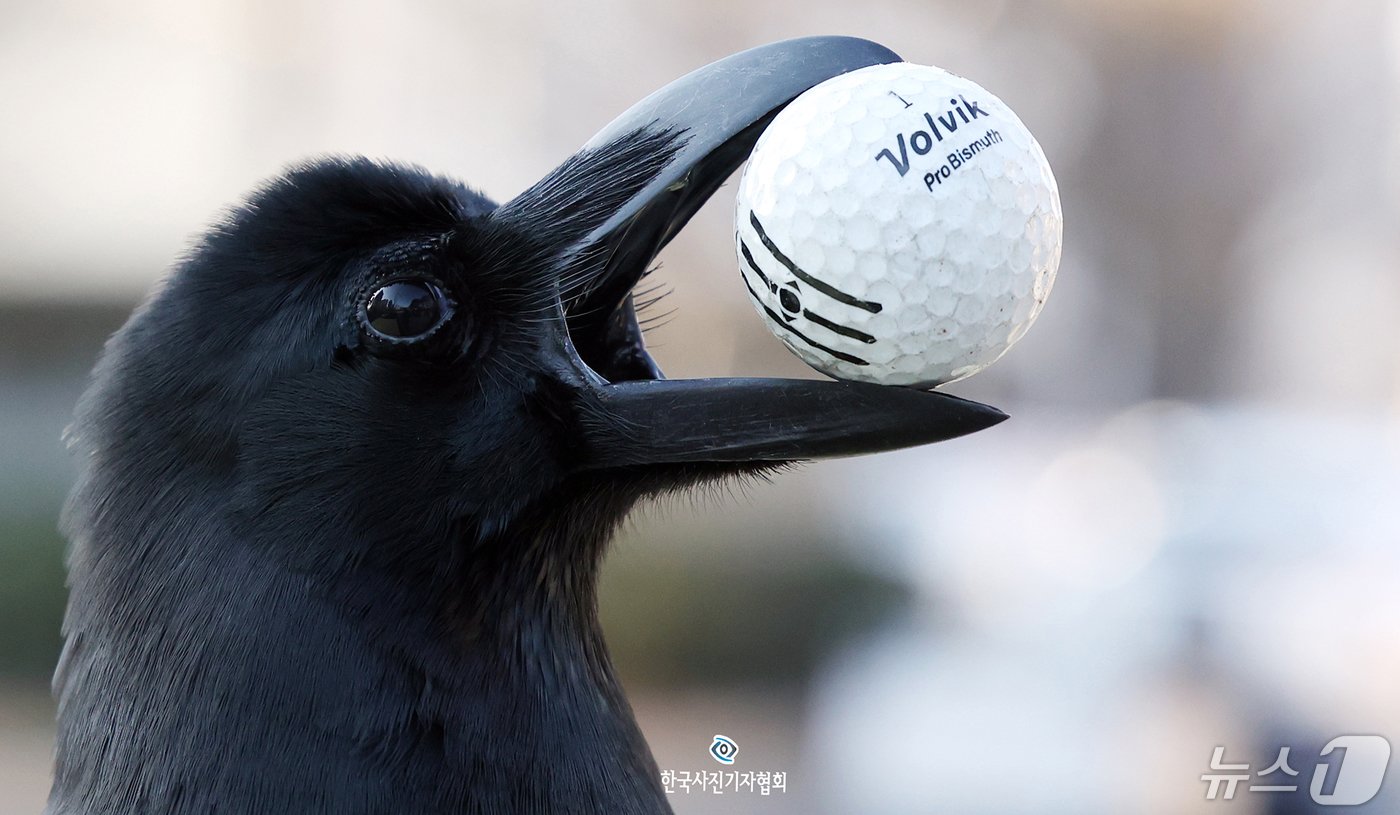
<point>899,225</point>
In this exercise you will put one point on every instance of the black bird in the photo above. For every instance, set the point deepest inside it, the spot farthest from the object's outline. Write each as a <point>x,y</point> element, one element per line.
<point>348,474</point>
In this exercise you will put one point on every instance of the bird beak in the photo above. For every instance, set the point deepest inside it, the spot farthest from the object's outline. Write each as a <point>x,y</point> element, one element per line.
<point>733,420</point>
<point>693,134</point>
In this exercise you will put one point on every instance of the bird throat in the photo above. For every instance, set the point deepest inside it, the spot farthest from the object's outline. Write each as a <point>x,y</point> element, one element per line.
<point>232,683</point>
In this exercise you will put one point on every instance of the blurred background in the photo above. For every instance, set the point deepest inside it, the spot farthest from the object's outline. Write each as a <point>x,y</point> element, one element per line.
<point>1187,537</point>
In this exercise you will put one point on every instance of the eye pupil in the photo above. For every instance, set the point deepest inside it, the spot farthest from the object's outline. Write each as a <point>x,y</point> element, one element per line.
<point>405,309</point>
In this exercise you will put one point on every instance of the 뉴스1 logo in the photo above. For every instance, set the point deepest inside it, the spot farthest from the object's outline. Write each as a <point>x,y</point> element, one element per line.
<point>723,749</point>
<point>1349,772</point>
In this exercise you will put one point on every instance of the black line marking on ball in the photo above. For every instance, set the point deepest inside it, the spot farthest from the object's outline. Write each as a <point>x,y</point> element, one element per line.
<point>787,324</point>
<point>748,256</point>
<point>845,331</point>
<point>784,318</point>
<point>825,288</point>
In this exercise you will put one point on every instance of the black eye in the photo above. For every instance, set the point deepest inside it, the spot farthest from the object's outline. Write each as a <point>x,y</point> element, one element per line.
<point>406,310</point>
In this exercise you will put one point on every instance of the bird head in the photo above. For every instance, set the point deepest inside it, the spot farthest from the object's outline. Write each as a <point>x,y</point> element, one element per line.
<point>369,347</point>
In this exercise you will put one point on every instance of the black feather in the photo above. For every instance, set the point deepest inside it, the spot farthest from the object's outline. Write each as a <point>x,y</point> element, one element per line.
<point>308,577</point>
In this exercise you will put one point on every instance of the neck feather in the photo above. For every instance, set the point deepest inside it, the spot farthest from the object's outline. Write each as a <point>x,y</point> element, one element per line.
<point>223,680</point>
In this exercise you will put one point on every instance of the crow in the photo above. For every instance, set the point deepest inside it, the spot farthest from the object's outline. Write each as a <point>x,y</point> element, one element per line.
<point>347,476</point>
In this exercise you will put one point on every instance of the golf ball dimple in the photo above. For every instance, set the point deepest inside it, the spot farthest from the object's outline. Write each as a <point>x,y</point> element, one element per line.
<point>898,224</point>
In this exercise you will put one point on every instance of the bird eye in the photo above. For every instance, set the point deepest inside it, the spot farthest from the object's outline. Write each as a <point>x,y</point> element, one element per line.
<point>406,310</point>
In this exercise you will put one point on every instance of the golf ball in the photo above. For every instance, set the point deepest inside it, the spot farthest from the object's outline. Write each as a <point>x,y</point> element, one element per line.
<point>898,224</point>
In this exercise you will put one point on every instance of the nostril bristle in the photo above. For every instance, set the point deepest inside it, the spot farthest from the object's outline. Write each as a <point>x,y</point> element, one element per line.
<point>657,321</point>
<point>648,300</point>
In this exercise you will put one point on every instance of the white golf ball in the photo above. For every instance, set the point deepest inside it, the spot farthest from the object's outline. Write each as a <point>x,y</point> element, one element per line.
<point>898,224</point>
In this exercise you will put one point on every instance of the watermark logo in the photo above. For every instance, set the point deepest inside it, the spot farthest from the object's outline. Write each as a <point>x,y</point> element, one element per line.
<point>718,782</point>
<point>723,749</point>
<point>1348,772</point>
